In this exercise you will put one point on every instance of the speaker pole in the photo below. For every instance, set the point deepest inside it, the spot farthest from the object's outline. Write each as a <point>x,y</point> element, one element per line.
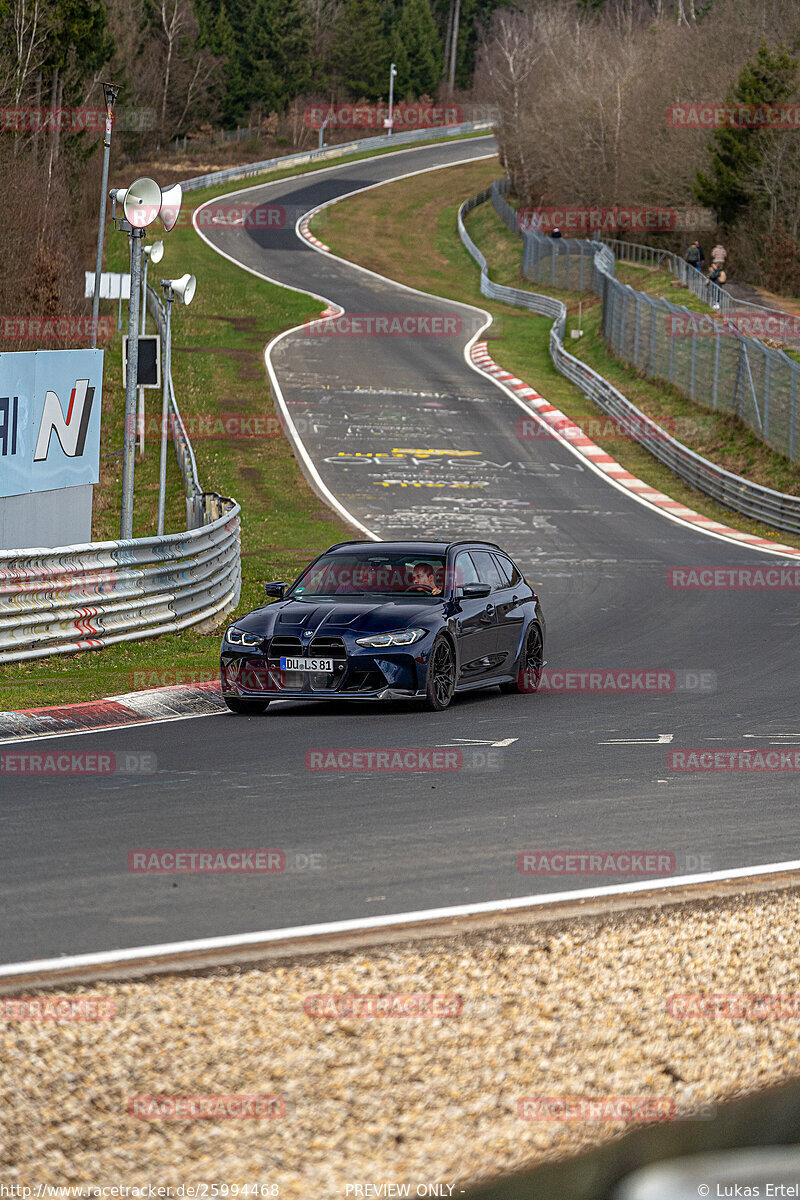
<point>129,443</point>
<point>166,368</point>
<point>111,90</point>
<point>140,412</point>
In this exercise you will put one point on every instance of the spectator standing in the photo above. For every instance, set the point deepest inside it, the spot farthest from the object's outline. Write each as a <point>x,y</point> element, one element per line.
<point>694,256</point>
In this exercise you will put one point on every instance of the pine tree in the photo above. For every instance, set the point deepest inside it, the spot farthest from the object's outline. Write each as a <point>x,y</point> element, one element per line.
<point>770,79</point>
<point>417,49</point>
<point>223,41</point>
<point>277,52</point>
<point>359,55</point>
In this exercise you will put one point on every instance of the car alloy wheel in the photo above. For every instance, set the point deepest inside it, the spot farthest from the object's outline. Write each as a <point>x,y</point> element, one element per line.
<point>441,679</point>
<point>529,667</point>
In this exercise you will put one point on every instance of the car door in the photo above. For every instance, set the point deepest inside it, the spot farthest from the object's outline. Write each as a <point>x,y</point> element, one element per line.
<point>509,611</point>
<point>475,623</point>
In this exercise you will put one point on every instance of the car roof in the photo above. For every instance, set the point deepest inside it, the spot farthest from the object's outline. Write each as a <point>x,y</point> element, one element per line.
<point>412,547</point>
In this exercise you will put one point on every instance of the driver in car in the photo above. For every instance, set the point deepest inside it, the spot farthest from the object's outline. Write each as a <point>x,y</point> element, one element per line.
<point>423,576</point>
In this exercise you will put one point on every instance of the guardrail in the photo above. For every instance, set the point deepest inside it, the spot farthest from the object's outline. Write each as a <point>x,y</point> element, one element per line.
<point>441,132</point>
<point>86,597</point>
<point>776,509</point>
<point>56,601</point>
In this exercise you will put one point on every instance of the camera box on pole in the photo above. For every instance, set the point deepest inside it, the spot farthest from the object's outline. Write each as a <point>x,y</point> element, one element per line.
<point>149,372</point>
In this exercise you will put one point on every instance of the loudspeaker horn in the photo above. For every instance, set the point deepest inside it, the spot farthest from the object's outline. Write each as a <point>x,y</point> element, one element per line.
<point>184,288</point>
<point>155,252</point>
<point>171,205</point>
<point>142,203</point>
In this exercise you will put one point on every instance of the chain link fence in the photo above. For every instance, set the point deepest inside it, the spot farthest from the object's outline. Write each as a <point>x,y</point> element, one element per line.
<point>705,356</point>
<point>777,509</point>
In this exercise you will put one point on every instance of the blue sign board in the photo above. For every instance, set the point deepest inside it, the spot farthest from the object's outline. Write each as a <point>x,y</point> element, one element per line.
<point>50,404</point>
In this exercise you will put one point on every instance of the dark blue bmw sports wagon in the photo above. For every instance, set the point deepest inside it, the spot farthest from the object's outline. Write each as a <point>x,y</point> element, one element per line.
<point>388,620</point>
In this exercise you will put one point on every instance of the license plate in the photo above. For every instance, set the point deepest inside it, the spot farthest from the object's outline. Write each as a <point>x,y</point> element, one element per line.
<point>307,664</point>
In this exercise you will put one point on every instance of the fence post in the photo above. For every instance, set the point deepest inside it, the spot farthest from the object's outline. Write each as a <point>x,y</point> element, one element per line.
<point>636,333</point>
<point>694,361</point>
<point>766,395</point>
<point>653,323</point>
<point>792,412</point>
<point>717,336</point>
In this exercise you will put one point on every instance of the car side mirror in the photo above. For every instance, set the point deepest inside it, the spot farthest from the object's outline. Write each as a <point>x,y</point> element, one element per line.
<point>475,591</point>
<point>275,589</point>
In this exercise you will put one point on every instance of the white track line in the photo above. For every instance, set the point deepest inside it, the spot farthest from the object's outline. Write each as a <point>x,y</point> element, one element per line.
<point>232,941</point>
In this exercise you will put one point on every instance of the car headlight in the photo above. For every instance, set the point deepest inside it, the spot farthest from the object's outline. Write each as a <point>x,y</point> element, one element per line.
<point>240,637</point>
<point>398,637</point>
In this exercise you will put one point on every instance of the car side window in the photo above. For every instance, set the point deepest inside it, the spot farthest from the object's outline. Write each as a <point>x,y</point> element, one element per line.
<point>508,570</point>
<point>486,568</point>
<point>464,571</point>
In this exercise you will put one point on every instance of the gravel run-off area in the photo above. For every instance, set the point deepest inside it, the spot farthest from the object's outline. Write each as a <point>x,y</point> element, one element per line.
<point>580,1008</point>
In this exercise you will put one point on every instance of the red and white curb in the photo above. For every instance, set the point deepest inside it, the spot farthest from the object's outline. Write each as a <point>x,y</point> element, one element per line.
<point>306,232</point>
<point>551,416</point>
<point>113,712</point>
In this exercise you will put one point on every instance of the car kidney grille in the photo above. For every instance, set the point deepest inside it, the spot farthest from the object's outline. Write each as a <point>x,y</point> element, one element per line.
<point>328,647</point>
<point>285,645</point>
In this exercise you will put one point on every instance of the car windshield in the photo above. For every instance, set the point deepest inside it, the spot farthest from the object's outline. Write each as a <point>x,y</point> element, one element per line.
<point>372,574</point>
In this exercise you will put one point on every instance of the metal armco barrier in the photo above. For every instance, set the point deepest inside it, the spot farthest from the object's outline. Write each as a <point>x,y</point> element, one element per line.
<point>333,152</point>
<point>776,509</point>
<point>86,597</point>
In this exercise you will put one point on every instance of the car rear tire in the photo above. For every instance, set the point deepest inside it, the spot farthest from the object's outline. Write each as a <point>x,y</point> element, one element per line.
<point>529,666</point>
<point>245,707</point>
<point>441,678</point>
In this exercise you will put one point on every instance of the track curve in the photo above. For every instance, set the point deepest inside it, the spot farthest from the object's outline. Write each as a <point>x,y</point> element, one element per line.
<point>576,772</point>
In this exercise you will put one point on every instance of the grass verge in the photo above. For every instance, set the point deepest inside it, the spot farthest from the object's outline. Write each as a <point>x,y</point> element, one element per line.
<point>407,231</point>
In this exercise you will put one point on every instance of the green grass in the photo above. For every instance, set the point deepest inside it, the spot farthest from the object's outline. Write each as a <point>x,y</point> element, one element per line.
<point>407,231</point>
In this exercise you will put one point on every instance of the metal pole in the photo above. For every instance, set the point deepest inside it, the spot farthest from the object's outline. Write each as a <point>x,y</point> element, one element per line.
<point>166,368</point>
<point>111,91</point>
<point>129,444</point>
<point>454,47</point>
<point>140,409</point>
<point>392,73</point>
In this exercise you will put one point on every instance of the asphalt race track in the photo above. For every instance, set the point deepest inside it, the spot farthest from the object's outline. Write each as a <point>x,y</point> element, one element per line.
<point>413,442</point>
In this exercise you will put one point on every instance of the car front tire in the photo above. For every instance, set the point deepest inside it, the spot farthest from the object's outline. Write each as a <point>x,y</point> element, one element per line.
<point>440,683</point>
<point>529,665</point>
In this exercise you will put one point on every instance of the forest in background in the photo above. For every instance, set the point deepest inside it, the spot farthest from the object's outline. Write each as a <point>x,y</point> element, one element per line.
<point>582,91</point>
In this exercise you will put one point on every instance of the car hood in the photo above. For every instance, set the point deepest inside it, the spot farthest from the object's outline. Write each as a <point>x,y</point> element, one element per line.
<point>339,616</point>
